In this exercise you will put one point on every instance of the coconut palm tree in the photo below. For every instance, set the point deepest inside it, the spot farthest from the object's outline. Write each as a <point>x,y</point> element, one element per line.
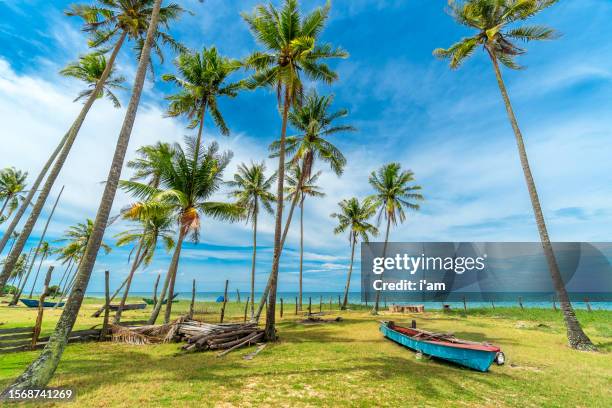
<point>497,30</point>
<point>154,225</point>
<point>354,218</point>
<point>20,268</point>
<point>12,185</point>
<point>146,165</point>
<point>44,251</point>
<point>292,47</point>
<point>109,23</point>
<point>186,186</point>
<point>298,188</point>
<point>394,193</point>
<point>251,189</point>
<point>315,123</point>
<point>203,77</point>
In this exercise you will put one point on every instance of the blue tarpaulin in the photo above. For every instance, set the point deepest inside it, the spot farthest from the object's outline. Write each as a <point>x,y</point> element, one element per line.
<point>220,299</point>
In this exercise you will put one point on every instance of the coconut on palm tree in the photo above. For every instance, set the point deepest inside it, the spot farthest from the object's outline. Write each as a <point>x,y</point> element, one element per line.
<point>109,23</point>
<point>186,187</point>
<point>497,30</point>
<point>251,189</point>
<point>12,185</point>
<point>292,49</point>
<point>297,189</point>
<point>354,217</point>
<point>394,194</point>
<point>202,78</point>
<point>154,224</point>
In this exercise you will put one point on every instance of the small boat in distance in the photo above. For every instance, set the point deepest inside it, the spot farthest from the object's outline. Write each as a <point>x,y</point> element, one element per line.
<point>150,301</point>
<point>34,303</point>
<point>478,356</point>
<point>128,306</point>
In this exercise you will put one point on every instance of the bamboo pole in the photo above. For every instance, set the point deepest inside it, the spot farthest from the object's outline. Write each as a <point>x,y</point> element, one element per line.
<point>107,301</point>
<point>41,303</point>
<point>224,301</point>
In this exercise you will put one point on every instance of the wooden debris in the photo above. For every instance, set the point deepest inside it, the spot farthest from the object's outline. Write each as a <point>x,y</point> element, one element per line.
<point>224,336</point>
<point>252,355</point>
<point>407,308</point>
<point>312,319</point>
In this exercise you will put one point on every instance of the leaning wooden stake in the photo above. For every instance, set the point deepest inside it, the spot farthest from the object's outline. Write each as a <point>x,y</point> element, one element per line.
<point>339,304</point>
<point>554,304</point>
<point>155,289</point>
<point>41,302</point>
<point>588,305</point>
<point>493,305</point>
<point>330,303</point>
<point>224,301</point>
<point>464,304</point>
<point>238,294</point>
<point>107,301</point>
<point>281,309</point>
<point>520,300</point>
<point>320,304</point>
<point>246,308</point>
<point>191,306</point>
<point>309,305</point>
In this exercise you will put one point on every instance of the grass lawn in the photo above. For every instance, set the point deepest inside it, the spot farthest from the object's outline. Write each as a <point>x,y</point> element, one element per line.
<point>341,364</point>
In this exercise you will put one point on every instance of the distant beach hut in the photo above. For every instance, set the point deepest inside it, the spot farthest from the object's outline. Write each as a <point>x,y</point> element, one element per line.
<point>220,299</point>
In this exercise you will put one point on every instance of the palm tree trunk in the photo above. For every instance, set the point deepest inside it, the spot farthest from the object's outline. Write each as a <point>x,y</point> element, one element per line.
<point>40,242</point>
<point>57,167</point>
<point>301,249</point>
<point>171,277</point>
<point>66,273</point>
<point>350,271</point>
<point>36,276</point>
<point>270,329</point>
<point>41,370</point>
<point>137,261</point>
<point>4,205</point>
<point>576,337</point>
<point>30,195</point>
<point>377,301</point>
<point>253,262</point>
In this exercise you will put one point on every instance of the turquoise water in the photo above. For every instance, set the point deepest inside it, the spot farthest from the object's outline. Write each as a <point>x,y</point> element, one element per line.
<point>355,298</point>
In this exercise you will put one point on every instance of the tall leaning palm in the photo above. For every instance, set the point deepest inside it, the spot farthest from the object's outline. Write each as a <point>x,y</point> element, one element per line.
<point>186,187</point>
<point>251,189</point>
<point>203,77</point>
<point>109,23</point>
<point>393,194</point>
<point>298,188</point>
<point>291,48</point>
<point>354,217</point>
<point>12,185</point>
<point>41,370</point>
<point>497,31</point>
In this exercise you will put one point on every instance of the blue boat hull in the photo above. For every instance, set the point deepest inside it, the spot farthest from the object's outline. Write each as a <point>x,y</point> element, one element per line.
<point>476,359</point>
<point>34,303</point>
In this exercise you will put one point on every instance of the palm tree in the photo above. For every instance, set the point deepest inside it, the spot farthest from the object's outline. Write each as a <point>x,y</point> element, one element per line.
<point>496,33</point>
<point>12,184</point>
<point>19,269</point>
<point>252,191</point>
<point>153,225</point>
<point>291,48</point>
<point>353,217</point>
<point>393,194</point>
<point>44,251</point>
<point>110,23</point>
<point>146,166</point>
<point>186,187</point>
<point>314,122</point>
<point>202,78</point>
<point>298,188</point>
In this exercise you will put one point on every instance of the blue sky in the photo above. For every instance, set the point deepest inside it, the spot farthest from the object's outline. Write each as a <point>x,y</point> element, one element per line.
<point>449,127</point>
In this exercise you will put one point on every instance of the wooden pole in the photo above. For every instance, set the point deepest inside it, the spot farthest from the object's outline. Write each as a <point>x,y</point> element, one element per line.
<point>246,308</point>
<point>330,303</point>
<point>339,304</point>
<point>554,304</point>
<point>296,305</point>
<point>281,309</point>
<point>520,300</point>
<point>588,305</point>
<point>309,305</point>
<point>320,304</point>
<point>155,289</point>
<point>41,302</point>
<point>192,305</point>
<point>106,305</point>
<point>238,294</point>
<point>224,301</point>
<point>464,304</point>
<point>493,305</point>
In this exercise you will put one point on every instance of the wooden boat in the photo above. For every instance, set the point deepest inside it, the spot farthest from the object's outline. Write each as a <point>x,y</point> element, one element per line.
<point>35,302</point>
<point>478,356</point>
<point>129,306</point>
<point>150,301</point>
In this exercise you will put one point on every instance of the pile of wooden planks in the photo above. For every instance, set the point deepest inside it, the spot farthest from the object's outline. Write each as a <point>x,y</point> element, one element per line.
<point>223,336</point>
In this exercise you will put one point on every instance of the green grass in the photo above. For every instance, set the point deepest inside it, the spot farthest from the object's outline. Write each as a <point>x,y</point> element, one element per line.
<point>340,364</point>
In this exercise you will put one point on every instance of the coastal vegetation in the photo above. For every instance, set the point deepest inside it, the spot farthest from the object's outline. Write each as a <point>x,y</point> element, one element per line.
<point>175,190</point>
